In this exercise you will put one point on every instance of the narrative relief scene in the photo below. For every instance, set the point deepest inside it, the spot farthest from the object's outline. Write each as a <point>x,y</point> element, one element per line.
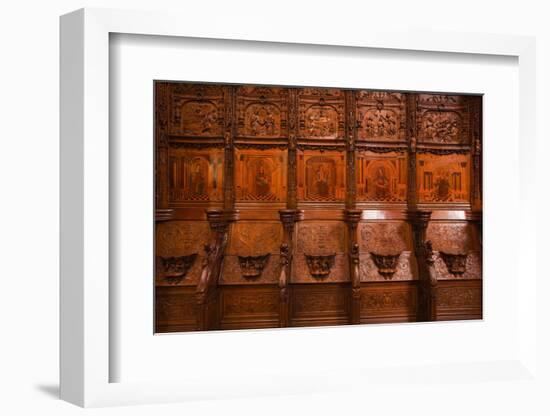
<point>303,206</point>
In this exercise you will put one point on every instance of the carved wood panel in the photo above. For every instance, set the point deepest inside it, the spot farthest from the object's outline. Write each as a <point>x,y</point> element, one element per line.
<point>175,309</point>
<point>197,110</point>
<point>380,116</point>
<point>457,250</point>
<point>459,300</point>
<point>195,175</point>
<point>321,113</point>
<point>262,112</point>
<point>443,178</point>
<point>321,176</point>
<point>180,241</point>
<point>249,307</point>
<point>326,304</point>
<point>381,177</point>
<point>443,119</point>
<point>395,302</point>
<point>320,252</point>
<point>253,253</point>
<point>386,239</point>
<point>260,176</point>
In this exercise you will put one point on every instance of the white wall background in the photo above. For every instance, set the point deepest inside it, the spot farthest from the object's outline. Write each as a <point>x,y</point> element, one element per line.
<point>29,117</point>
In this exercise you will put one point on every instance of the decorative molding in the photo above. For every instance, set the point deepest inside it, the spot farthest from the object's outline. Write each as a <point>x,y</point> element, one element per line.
<point>322,147</point>
<point>260,146</point>
<point>444,151</point>
<point>195,145</point>
<point>361,147</point>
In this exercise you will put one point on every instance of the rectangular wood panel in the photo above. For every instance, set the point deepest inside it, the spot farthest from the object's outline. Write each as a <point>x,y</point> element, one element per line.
<point>389,302</point>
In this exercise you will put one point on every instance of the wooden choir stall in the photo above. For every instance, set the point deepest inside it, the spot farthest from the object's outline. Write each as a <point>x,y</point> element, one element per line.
<point>280,207</point>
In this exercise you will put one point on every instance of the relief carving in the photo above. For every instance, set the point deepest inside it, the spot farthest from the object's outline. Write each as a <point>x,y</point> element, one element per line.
<point>470,269</point>
<point>386,264</point>
<point>450,237</point>
<point>321,122</point>
<point>456,263</point>
<point>196,118</point>
<point>325,301</point>
<point>388,300</point>
<point>443,119</point>
<point>405,268</point>
<point>320,266</point>
<point>181,240</point>
<point>252,266</point>
<point>262,120</point>
<point>253,238</point>
<point>320,252</point>
<point>249,303</point>
<point>389,237</point>
<point>459,297</point>
<point>441,127</point>
<point>321,114</point>
<point>174,269</point>
<point>380,115</point>
<point>321,237</point>
<point>378,123</point>
<point>232,272</point>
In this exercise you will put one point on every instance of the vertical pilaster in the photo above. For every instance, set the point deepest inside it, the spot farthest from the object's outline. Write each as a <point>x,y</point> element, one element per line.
<point>475,118</point>
<point>229,151</point>
<point>352,218</point>
<point>427,308</point>
<point>351,132</point>
<point>161,133</point>
<point>411,132</point>
<point>292,145</point>
<point>288,219</point>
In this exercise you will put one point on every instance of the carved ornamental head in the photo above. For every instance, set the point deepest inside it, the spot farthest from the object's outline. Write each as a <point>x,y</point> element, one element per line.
<point>174,269</point>
<point>252,266</point>
<point>386,264</point>
<point>320,266</point>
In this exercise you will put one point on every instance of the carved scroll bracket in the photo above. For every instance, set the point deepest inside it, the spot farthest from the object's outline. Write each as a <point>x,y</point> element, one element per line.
<point>288,217</point>
<point>419,221</point>
<point>207,288</point>
<point>352,218</point>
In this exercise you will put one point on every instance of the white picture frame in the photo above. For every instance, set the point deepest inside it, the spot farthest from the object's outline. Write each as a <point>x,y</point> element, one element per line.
<point>86,356</point>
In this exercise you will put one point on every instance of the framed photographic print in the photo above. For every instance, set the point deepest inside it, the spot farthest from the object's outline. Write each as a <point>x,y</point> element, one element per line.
<point>282,206</point>
<point>291,213</point>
